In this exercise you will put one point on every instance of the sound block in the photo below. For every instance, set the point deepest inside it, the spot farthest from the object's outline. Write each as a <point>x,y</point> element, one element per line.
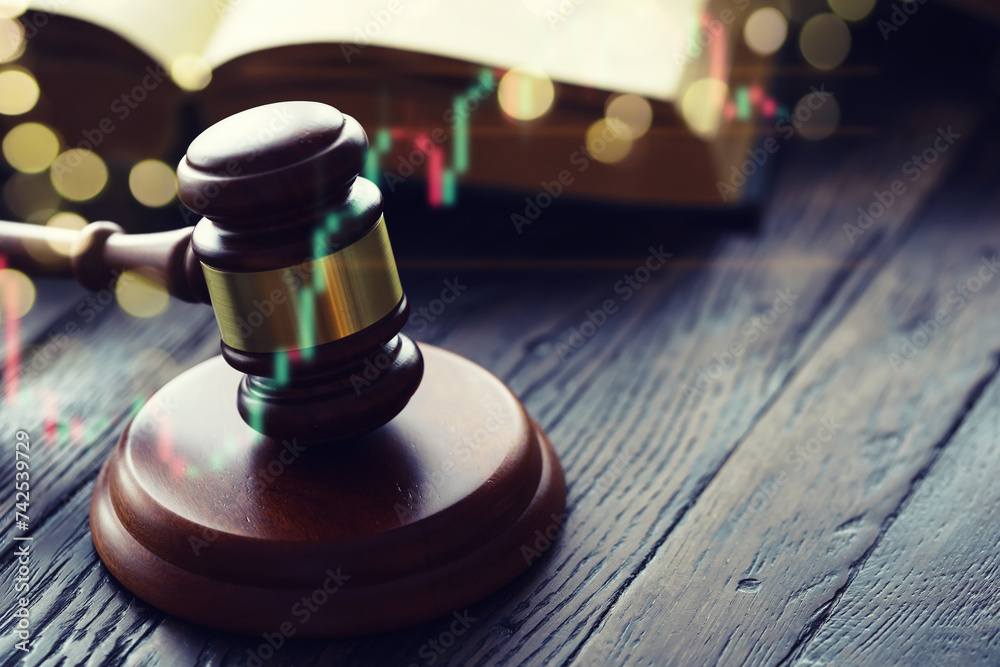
<point>203,517</point>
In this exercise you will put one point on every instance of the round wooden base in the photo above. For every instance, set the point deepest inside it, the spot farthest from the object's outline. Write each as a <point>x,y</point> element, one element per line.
<point>203,517</point>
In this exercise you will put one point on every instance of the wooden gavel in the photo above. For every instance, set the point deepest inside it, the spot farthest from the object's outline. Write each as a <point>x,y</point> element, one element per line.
<point>372,503</point>
<point>289,262</point>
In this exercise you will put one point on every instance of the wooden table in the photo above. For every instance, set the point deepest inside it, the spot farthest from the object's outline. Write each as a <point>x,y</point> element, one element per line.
<point>782,449</point>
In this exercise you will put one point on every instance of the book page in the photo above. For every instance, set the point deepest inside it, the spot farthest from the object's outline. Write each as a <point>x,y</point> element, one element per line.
<point>164,30</point>
<point>636,46</point>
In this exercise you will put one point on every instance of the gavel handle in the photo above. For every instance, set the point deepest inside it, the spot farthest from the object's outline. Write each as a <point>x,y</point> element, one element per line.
<point>102,250</point>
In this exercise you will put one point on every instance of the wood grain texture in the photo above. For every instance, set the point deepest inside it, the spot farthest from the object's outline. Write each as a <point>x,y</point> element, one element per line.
<point>929,588</point>
<point>756,564</point>
<point>640,453</point>
<point>126,359</point>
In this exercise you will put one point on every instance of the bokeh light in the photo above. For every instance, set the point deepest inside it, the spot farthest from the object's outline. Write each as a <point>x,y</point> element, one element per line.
<point>139,296</point>
<point>765,31</point>
<point>17,294</point>
<point>191,72</point>
<point>30,147</point>
<point>816,116</point>
<point>608,141</point>
<point>525,93</point>
<point>26,194</point>
<point>852,10</point>
<point>152,183</point>
<point>702,105</point>
<point>79,174</point>
<point>11,40</point>
<point>10,9</point>
<point>18,92</point>
<point>632,111</point>
<point>65,220</point>
<point>825,41</point>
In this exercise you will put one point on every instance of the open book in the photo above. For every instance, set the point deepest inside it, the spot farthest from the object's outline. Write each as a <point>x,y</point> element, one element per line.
<point>424,79</point>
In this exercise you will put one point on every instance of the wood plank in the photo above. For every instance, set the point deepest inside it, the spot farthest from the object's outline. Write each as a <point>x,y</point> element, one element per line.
<point>637,450</point>
<point>630,373</point>
<point>69,553</point>
<point>755,565</point>
<point>70,595</point>
<point>631,369</point>
<point>68,571</point>
<point>929,593</point>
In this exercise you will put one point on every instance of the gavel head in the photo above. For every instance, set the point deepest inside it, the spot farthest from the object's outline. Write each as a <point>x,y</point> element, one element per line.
<point>301,275</point>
